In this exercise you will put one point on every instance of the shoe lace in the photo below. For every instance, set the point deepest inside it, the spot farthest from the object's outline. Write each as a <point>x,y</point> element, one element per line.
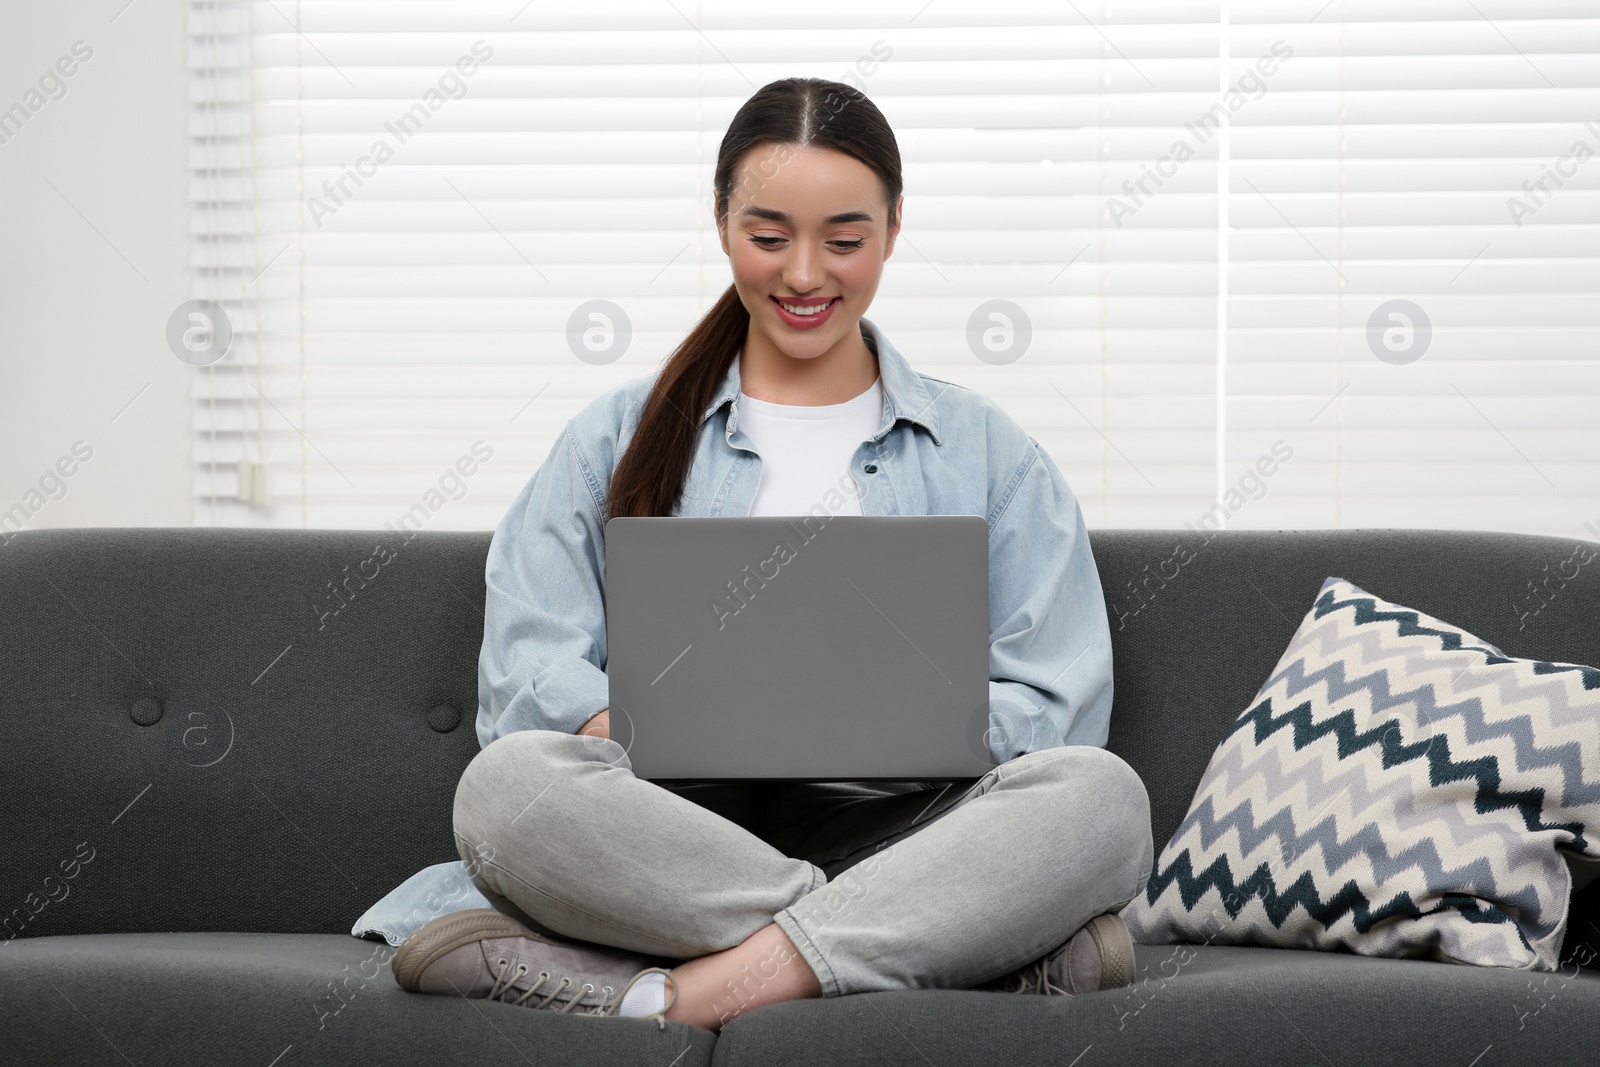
<point>1032,977</point>
<point>609,1003</point>
<point>1041,981</point>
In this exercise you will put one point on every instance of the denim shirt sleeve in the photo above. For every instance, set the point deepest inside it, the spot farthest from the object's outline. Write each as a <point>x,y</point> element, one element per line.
<point>544,630</point>
<point>1050,651</point>
<point>543,643</point>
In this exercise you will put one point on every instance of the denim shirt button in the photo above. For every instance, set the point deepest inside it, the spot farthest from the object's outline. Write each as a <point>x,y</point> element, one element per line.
<point>871,468</point>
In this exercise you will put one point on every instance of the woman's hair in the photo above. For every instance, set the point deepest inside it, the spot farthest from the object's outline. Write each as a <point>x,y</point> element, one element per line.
<point>800,112</point>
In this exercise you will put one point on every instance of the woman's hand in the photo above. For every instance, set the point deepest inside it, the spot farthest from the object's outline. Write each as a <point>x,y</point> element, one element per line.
<point>599,726</point>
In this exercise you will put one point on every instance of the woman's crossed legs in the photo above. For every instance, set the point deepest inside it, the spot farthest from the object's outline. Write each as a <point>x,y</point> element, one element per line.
<point>850,889</point>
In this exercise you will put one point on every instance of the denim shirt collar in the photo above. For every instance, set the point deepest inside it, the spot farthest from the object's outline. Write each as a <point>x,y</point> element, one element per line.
<point>904,394</point>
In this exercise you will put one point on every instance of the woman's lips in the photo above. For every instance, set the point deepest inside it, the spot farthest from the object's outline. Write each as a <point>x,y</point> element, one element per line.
<point>806,322</point>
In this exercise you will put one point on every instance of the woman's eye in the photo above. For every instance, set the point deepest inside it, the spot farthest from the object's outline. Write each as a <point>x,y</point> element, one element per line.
<point>769,242</point>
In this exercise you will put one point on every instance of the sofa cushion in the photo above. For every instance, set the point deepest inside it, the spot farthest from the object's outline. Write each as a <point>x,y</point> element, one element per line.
<point>1200,617</point>
<point>288,999</point>
<point>1201,1005</point>
<point>1398,787</point>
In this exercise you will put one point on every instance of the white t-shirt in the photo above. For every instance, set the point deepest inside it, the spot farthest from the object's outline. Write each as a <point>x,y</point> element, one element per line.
<point>806,450</point>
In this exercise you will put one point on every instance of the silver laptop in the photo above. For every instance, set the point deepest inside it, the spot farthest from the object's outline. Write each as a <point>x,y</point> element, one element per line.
<point>818,648</point>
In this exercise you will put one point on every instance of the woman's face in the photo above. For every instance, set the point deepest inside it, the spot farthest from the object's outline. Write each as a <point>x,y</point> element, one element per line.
<point>806,227</point>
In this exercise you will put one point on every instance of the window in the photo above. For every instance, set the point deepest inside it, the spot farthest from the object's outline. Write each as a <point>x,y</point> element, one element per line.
<point>1276,264</point>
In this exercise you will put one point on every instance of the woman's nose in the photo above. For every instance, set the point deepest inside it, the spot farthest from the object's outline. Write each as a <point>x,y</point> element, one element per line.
<point>802,273</point>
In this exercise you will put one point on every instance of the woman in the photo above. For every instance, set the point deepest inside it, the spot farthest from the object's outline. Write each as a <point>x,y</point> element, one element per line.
<point>697,902</point>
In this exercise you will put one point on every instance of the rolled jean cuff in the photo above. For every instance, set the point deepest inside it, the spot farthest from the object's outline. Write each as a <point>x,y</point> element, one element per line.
<point>808,952</point>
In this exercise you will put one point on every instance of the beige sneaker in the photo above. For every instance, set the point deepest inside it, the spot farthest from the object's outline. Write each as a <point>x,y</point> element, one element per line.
<point>486,954</point>
<point>1099,956</point>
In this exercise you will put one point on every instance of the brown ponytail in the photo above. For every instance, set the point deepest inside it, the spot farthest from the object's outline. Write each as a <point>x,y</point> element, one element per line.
<point>650,476</point>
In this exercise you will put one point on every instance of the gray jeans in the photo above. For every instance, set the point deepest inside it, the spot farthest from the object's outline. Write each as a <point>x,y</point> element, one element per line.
<point>878,885</point>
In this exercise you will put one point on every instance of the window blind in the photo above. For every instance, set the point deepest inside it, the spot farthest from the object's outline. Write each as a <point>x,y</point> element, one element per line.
<point>1183,219</point>
<point>1429,350</point>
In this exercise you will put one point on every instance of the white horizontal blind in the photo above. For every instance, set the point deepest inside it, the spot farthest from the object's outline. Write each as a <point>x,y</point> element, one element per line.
<point>1377,167</point>
<point>1178,329</point>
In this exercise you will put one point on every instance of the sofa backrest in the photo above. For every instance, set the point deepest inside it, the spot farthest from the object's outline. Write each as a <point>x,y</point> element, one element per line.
<point>202,734</point>
<point>306,752</point>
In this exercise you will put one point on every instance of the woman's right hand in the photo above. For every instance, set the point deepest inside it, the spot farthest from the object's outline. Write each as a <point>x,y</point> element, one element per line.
<point>599,726</point>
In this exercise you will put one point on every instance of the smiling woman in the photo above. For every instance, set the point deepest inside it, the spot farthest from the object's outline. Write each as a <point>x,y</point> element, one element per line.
<point>782,391</point>
<point>806,277</point>
<point>807,203</point>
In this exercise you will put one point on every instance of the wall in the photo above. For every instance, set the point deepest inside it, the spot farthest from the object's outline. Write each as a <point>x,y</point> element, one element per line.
<point>93,259</point>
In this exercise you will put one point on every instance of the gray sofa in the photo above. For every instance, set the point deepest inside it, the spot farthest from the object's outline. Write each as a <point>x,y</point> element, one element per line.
<point>211,773</point>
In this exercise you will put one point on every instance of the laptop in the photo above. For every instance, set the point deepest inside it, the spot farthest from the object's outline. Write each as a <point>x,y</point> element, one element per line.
<point>801,648</point>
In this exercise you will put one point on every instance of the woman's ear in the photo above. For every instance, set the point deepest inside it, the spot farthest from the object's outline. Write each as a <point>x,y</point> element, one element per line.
<point>721,224</point>
<point>894,231</point>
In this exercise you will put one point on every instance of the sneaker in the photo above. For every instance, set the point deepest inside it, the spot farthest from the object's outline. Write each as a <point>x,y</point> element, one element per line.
<point>486,954</point>
<point>1099,956</point>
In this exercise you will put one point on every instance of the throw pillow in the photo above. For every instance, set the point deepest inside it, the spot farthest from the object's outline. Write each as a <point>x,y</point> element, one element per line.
<point>1398,787</point>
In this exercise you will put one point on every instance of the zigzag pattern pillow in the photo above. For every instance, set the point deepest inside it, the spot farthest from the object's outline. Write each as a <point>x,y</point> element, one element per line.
<point>1398,787</point>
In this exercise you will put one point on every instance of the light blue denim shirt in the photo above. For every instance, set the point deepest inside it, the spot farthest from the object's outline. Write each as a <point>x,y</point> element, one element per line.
<point>940,449</point>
